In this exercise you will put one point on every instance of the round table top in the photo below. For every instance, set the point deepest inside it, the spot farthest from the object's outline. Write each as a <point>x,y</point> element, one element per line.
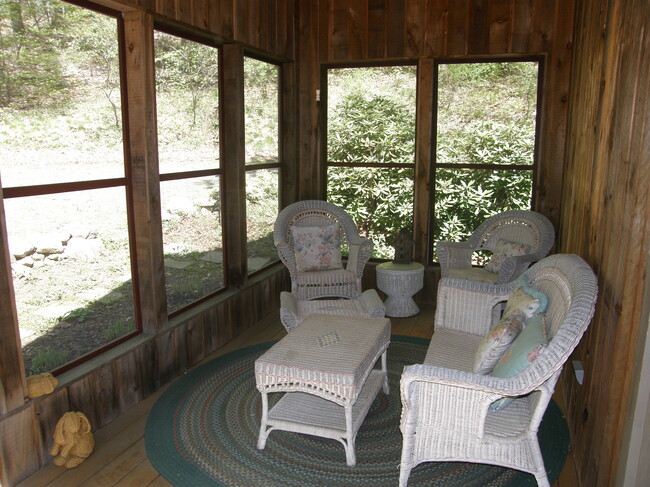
<point>392,266</point>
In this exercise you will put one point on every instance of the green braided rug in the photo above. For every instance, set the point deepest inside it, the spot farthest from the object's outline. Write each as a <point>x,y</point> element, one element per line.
<point>203,432</point>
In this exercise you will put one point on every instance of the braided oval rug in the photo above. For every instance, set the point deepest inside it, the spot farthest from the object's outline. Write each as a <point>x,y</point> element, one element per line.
<point>203,432</point>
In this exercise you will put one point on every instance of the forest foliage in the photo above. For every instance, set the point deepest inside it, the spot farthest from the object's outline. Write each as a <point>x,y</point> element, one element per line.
<point>485,120</point>
<point>485,115</point>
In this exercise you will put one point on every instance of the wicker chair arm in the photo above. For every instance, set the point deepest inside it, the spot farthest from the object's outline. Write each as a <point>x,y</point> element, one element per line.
<point>467,305</point>
<point>288,310</point>
<point>514,266</point>
<point>373,304</point>
<point>360,253</point>
<point>287,256</point>
<point>427,390</point>
<point>510,386</point>
<point>454,255</point>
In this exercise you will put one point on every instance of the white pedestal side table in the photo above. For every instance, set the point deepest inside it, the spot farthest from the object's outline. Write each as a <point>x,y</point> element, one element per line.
<point>400,282</point>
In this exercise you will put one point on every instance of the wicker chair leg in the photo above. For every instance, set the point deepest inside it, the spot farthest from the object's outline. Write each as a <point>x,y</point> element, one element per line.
<point>404,474</point>
<point>542,479</point>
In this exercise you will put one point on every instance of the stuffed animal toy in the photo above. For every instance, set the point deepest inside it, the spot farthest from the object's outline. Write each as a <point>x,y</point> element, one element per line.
<point>41,384</point>
<point>73,441</point>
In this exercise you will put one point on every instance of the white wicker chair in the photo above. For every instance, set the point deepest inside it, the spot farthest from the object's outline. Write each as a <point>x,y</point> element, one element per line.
<point>523,226</point>
<point>445,406</point>
<point>342,283</point>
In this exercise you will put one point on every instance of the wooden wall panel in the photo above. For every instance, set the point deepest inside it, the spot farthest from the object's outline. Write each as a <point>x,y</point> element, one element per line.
<point>378,29</point>
<point>48,411</point>
<point>112,388</point>
<point>19,446</point>
<point>395,15</point>
<point>260,25</point>
<point>436,33</point>
<point>478,32</point>
<point>414,27</point>
<point>457,30</point>
<point>499,28</point>
<point>521,21</point>
<point>201,14</point>
<point>605,208</point>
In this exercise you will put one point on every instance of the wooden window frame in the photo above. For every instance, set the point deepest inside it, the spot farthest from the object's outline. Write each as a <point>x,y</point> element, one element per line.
<point>533,168</point>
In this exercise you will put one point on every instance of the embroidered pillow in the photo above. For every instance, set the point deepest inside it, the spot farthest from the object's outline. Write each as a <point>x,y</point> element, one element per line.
<point>495,343</point>
<point>530,343</point>
<point>524,302</point>
<point>317,248</point>
<point>503,250</point>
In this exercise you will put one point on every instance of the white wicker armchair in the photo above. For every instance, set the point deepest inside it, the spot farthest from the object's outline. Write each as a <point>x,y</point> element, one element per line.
<point>341,283</point>
<point>522,226</point>
<point>446,412</point>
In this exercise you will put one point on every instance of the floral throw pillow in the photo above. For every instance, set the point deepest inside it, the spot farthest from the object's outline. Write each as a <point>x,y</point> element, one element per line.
<point>503,250</point>
<point>317,248</point>
<point>495,343</point>
<point>530,343</point>
<point>524,303</point>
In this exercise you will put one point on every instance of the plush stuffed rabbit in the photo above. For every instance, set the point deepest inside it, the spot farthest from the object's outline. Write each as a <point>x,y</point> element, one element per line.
<point>73,440</point>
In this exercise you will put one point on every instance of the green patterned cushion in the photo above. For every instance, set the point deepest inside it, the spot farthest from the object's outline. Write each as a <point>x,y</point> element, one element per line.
<point>524,302</point>
<point>524,349</point>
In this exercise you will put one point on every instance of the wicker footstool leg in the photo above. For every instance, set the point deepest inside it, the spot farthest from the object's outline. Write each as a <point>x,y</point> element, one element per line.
<point>350,456</point>
<point>385,369</point>
<point>264,432</point>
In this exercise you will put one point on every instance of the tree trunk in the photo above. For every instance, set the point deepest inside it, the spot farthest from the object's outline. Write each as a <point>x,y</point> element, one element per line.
<point>16,15</point>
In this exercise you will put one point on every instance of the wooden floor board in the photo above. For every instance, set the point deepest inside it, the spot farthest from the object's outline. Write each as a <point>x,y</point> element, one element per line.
<point>142,475</point>
<point>120,459</point>
<point>120,467</point>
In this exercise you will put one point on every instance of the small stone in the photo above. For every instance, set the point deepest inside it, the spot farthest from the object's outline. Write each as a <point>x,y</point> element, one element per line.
<point>51,243</point>
<point>214,256</point>
<point>20,247</point>
<point>84,248</point>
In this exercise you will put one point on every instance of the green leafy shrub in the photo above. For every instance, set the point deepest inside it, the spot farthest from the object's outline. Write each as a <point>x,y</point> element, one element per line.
<point>466,197</point>
<point>379,200</point>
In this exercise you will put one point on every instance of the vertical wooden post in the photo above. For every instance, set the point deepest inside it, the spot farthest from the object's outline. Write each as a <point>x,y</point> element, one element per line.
<point>311,171</point>
<point>13,387</point>
<point>143,170</point>
<point>423,153</point>
<point>233,159</point>
<point>288,144</point>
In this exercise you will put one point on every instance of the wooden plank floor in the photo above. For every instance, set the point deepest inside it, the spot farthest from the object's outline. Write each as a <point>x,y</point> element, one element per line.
<point>120,459</point>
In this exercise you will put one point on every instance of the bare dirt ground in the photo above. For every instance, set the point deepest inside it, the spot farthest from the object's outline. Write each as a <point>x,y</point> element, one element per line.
<point>71,304</point>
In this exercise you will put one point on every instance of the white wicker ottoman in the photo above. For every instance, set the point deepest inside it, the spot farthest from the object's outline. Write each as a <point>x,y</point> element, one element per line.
<point>293,311</point>
<point>326,368</point>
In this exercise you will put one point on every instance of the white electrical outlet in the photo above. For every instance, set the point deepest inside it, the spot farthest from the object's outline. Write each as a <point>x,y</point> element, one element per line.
<point>579,370</point>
